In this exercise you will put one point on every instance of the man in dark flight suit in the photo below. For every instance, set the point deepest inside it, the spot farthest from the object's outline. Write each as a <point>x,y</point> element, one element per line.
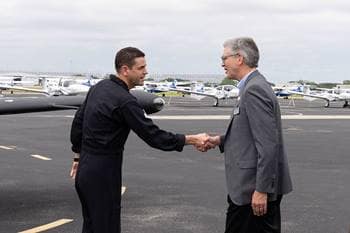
<point>98,134</point>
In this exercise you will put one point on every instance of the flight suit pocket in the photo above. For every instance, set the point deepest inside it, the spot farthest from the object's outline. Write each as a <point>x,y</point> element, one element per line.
<point>247,164</point>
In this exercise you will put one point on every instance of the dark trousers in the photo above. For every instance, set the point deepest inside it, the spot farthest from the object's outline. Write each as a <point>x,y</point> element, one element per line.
<point>98,184</point>
<point>240,219</point>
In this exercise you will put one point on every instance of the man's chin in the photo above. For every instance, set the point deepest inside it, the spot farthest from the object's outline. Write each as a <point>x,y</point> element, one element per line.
<point>231,77</point>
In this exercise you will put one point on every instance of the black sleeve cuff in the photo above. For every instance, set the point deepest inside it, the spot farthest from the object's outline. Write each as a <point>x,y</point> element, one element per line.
<point>76,149</point>
<point>181,140</point>
<point>222,143</point>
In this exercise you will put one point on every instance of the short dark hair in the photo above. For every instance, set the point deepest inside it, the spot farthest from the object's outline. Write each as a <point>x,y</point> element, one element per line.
<point>126,56</point>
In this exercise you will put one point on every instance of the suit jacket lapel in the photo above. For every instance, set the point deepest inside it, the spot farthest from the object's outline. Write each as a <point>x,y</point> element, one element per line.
<point>252,75</point>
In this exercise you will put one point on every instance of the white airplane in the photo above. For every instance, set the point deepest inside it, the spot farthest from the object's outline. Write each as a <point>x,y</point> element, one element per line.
<point>284,89</point>
<point>217,93</point>
<point>18,79</point>
<point>328,95</point>
<point>157,87</point>
<point>335,90</point>
<point>67,87</point>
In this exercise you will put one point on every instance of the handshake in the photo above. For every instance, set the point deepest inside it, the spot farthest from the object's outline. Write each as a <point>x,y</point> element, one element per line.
<point>203,141</point>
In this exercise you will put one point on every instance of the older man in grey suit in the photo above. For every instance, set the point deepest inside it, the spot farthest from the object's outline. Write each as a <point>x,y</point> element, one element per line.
<point>256,166</point>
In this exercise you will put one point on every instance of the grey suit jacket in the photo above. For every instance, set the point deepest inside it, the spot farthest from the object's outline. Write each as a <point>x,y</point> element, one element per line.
<point>255,158</point>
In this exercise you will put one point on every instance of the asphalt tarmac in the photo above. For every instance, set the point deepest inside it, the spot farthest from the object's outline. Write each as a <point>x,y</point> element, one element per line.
<point>170,191</point>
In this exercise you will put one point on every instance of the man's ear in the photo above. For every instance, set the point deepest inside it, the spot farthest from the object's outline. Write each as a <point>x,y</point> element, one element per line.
<point>241,60</point>
<point>124,70</point>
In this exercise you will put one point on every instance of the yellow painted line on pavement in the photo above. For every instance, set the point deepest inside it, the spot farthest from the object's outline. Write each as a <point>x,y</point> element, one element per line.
<point>48,226</point>
<point>123,189</point>
<point>7,147</point>
<point>41,157</point>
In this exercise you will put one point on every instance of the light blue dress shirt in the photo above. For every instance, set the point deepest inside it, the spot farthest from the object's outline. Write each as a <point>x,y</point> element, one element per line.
<point>241,83</point>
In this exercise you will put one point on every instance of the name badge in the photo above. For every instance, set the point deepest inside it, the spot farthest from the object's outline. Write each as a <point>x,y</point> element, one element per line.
<point>236,111</point>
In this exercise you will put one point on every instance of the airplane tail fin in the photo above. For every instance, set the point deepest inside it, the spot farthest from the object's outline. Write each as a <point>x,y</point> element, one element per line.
<point>45,85</point>
<point>198,87</point>
<point>89,81</point>
<point>173,84</point>
<point>303,89</point>
<point>306,90</point>
<point>300,88</point>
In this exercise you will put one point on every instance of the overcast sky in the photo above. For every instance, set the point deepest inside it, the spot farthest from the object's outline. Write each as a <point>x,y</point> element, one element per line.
<point>297,39</point>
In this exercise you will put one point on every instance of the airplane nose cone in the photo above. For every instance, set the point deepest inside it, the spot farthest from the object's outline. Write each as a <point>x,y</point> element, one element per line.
<point>158,103</point>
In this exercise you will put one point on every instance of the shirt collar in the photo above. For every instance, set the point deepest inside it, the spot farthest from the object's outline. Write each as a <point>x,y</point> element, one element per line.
<point>241,83</point>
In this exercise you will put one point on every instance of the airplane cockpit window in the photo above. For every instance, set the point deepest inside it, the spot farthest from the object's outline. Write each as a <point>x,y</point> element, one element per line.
<point>66,83</point>
<point>228,88</point>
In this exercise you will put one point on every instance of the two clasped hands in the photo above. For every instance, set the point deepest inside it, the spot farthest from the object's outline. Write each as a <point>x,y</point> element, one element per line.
<point>203,141</point>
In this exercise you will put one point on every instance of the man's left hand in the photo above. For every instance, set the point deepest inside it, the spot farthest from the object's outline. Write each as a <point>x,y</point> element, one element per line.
<point>259,203</point>
<point>74,169</point>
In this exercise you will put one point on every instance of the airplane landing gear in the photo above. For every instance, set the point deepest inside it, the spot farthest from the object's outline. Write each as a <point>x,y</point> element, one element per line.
<point>216,103</point>
<point>346,104</point>
<point>327,104</point>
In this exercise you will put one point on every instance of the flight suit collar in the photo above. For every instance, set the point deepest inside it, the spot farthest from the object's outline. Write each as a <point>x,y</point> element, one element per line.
<point>118,81</point>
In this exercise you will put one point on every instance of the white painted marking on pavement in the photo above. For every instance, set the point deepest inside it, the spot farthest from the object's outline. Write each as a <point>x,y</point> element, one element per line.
<point>48,226</point>
<point>316,117</point>
<point>123,189</point>
<point>226,117</point>
<point>7,147</point>
<point>299,116</point>
<point>53,116</point>
<point>41,157</point>
<point>191,117</point>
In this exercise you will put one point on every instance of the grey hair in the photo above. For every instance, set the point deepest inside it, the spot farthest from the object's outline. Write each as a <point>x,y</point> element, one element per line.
<point>247,48</point>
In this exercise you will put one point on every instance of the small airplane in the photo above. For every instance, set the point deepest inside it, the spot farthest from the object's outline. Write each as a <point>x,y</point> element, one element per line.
<point>67,87</point>
<point>284,90</point>
<point>329,95</point>
<point>217,93</point>
<point>158,87</point>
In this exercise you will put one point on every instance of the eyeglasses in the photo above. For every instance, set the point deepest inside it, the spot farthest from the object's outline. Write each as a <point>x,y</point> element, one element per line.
<point>223,58</point>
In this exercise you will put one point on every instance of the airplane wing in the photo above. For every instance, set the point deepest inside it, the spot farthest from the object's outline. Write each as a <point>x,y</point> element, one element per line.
<point>11,105</point>
<point>197,93</point>
<point>311,95</point>
<point>193,92</point>
<point>2,86</point>
<point>323,89</point>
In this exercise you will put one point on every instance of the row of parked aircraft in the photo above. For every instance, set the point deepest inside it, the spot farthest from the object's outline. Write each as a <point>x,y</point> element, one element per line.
<point>196,90</point>
<point>68,86</point>
<point>54,86</point>
<point>65,93</point>
<point>71,86</point>
<point>328,95</point>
